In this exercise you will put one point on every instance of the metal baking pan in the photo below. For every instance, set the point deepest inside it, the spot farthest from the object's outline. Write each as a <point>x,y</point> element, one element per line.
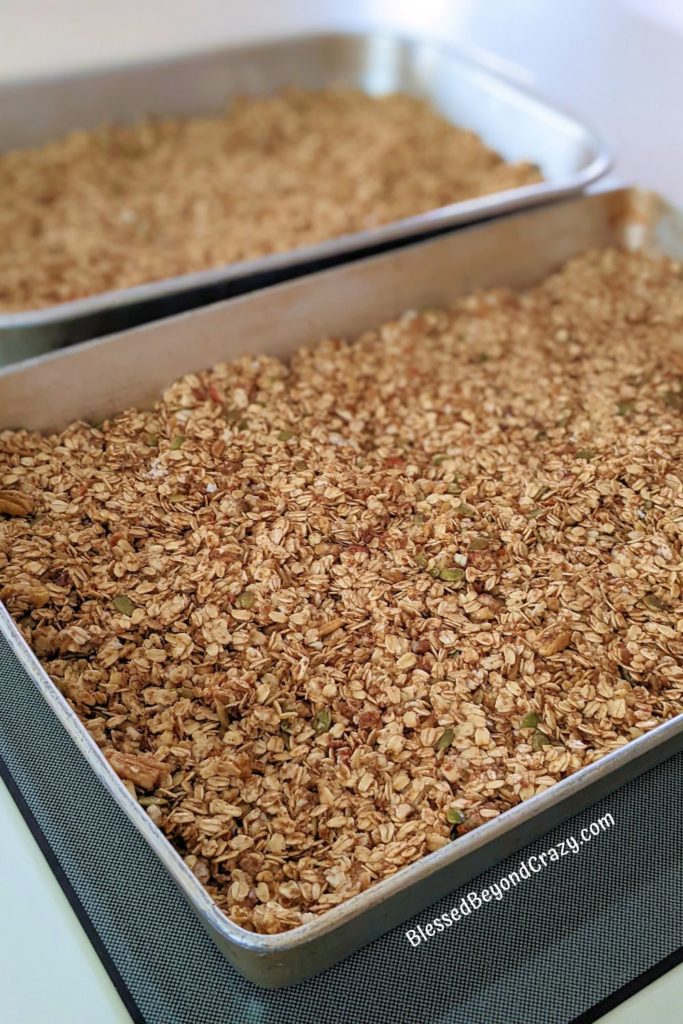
<point>131,368</point>
<point>509,119</point>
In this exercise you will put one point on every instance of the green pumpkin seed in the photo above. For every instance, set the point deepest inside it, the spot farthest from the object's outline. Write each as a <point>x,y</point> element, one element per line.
<point>124,605</point>
<point>444,741</point>
<point>452,575</point>
<point>479,543</point>
<point>539,739</point>
<point>322,721</point>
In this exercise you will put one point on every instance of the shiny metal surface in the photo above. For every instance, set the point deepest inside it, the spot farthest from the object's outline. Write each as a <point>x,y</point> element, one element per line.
<point>130,368</point>
<point>508,118</point>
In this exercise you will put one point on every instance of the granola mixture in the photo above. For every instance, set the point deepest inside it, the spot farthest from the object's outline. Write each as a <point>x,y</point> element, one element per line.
<point>324,617</point>
<point>119,206</point>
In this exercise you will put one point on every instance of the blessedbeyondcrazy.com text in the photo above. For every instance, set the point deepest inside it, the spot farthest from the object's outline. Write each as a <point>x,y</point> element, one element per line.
<point>529,867</point>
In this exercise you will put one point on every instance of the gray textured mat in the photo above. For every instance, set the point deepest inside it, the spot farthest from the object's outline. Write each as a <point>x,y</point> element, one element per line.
<point>554,947</point>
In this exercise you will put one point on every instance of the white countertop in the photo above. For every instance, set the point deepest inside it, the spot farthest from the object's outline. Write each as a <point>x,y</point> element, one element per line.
<point>618,64</point>
<point>49,972</point>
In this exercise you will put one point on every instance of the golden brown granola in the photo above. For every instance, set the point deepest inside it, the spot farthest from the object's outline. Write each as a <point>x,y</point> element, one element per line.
<point>119,206</point>
<point>322,616</point>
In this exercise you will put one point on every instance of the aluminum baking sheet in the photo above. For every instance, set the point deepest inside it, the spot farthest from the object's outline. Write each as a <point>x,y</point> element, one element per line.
<point>131,369</point>
<point>509,119</point>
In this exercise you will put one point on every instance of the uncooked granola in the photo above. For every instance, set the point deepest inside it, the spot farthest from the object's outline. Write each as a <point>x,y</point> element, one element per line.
<point>122,205</point>
<point>326,616</point>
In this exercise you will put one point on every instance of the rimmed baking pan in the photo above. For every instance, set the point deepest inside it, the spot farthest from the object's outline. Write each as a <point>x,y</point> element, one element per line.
<point>510,120</point>
<point>131,368</point>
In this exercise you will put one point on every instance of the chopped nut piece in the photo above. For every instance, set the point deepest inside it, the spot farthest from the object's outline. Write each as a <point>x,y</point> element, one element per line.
<point>31,594</point>
<point>14,503</point>
<point>552,641</point>
<point>330,627</point>
<point>142,770</point>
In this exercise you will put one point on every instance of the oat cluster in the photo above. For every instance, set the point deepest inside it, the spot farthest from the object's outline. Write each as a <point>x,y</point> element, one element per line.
<point>119,206</point>
<point>324,617</point>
